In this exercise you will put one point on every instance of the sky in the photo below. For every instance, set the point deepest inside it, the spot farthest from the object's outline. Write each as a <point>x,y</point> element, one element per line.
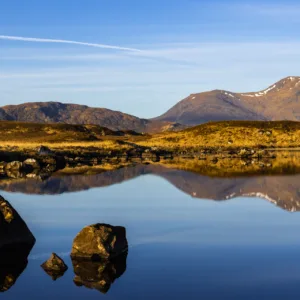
<point>169,49</point>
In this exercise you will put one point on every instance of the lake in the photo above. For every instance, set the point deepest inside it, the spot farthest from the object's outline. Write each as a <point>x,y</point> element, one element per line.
<point>191,235</point>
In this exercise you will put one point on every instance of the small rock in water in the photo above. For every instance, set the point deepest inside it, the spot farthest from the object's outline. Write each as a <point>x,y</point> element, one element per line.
<point>43,150</point>
<point>54,266</point>
<point>99,241</point>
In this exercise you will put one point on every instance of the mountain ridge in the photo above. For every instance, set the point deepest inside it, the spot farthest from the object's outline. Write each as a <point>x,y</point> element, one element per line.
<point>280,101</point>
<point>57,112</point>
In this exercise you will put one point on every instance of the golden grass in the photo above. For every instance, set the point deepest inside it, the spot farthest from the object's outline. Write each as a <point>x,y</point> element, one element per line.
<point>285,162</point>
<point>92,170</point>
<point>230,135</point>
<point>103,144</point>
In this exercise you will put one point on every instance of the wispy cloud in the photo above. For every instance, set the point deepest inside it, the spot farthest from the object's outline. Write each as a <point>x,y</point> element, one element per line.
<point>41,40</point>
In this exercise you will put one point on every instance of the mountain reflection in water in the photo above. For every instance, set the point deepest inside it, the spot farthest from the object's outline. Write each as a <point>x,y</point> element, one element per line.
<point>277,181</point>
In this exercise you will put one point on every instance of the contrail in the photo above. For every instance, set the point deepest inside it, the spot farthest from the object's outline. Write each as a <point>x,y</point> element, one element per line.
<point>39,40</point>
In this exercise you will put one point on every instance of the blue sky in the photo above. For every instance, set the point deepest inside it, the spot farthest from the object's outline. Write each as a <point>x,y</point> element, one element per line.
<point>186,47</point>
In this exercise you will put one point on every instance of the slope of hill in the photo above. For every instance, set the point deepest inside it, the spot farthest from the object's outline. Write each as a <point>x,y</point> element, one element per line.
<point>281,101</point>
<point>229,134</point>
<point>25,132</point>
<point>55,112</point>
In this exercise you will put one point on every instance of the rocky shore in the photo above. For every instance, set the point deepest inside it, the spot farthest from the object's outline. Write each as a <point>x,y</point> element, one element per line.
<point>43,161</point>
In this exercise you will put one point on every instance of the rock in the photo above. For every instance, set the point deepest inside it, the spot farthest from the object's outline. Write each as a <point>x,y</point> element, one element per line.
<point>43,150</point>
<point>52,163</point>
<point>54,266</point>
<point>2,165</point>
<point>14,165</point>
<point>16,242</point>
<point>15,174</point>
<point>99,275</point>
<point>32,162</point>
<point>214,160</point>
<point>245,152</point>
<point>12,228</point>
<point>99,241</point>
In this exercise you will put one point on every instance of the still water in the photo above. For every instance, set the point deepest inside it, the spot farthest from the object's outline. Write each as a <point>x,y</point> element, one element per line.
<point>190,236</point>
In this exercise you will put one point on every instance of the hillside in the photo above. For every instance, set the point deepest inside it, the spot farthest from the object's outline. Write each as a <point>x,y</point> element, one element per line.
<point>25,132</point>
<point>230,134</point>
<point>280,101</point>
<point>55,112</point>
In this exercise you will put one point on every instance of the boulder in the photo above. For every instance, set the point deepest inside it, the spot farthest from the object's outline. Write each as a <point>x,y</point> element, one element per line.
<point>99,241</point>
<point>43,150</point>
<point>12,228</point>
<point>99,275</point>
<point>31,162</point>
<point>52,163</point>
<point>16,242</point>
<point>14,165</point>
<point>54,266</point>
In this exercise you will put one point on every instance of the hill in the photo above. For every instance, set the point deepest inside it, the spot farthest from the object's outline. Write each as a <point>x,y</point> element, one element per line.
<point>230,134</point>
<point>280,101</point>
<point>55,112</point>
<point>25,132</point>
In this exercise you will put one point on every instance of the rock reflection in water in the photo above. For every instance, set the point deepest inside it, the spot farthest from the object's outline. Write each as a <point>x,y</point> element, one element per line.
<point>99,275</point>
<point>277,181</point>
<point>13,261</point>
<point>16,242</point>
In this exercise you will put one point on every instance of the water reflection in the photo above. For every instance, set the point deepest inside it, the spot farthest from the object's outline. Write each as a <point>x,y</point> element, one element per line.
<point>99,275</point>
<point>16,242</point>
<point>13,261</point>
<point>277,180</point>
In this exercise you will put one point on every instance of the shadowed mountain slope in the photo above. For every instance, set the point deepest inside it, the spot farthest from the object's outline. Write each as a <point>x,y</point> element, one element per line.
<point>55,112</point>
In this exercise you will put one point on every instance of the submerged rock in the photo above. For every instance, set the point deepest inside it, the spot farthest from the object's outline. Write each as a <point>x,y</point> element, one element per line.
<point>54,266</point>
<point>16,242</point>
<point>99,241</point>
<point>99,275</point>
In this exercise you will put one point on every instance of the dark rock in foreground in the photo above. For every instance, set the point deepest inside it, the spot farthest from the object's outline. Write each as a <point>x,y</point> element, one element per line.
<point>99,241</point>
<point>16,242</point>
<point>99,275</point>
<point>13,229</point>
<point>54,266</point>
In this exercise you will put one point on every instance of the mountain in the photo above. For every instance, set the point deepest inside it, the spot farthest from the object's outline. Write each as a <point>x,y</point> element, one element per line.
<point>55,112</point>
<point>280,101</point>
